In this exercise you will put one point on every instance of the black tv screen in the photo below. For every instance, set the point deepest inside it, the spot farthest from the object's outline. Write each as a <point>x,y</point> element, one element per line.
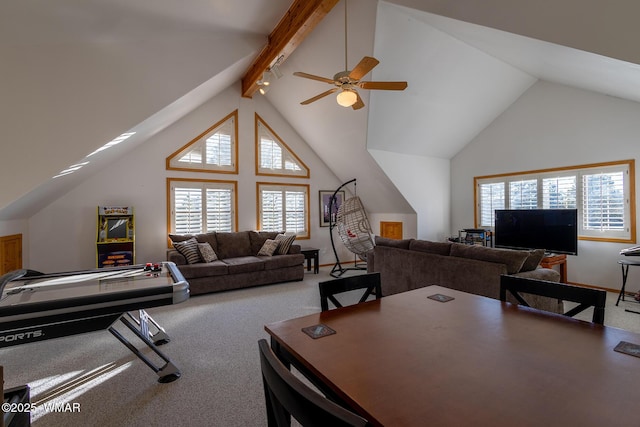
<point>554,230</point>
<point>116,228</point>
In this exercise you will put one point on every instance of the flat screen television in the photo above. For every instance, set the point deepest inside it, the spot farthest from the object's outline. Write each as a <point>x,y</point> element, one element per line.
<point>554,230</point>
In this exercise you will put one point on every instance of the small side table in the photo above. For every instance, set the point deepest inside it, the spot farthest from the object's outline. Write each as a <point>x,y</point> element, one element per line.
<point>561,260</point>
<point>625,263</point>
<point>311,254</point>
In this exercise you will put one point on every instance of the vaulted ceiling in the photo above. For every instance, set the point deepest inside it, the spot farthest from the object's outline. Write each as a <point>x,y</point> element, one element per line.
<point>77,73</point>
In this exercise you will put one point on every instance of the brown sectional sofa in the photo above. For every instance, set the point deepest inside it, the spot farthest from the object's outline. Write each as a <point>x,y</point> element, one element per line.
<point>411,263</point>
<point>238,264</point>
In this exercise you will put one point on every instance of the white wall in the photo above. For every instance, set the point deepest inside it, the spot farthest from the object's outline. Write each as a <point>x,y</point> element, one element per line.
<point>424,182</point>
<point>553,125</point>
<point>62,235</point>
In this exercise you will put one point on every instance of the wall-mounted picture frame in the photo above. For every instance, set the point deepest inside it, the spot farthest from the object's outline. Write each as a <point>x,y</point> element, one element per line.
<point>325,199</point>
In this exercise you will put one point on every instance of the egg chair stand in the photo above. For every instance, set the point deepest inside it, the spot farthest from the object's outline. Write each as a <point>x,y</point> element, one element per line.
<point>353,227</point>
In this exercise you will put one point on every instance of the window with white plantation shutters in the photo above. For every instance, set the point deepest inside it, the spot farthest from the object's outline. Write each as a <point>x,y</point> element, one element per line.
<point>559,192</point>
<point>602,193</point>
<point>603,201</point>
<point>187,218</point>
<point>284,207</point>
<point>523,194</point>
<point>272,210</point>
<point>273,156</point>
<point>201,206</point>
<point>213,150</point>
<point>296,212</point>
<point>491,198</point>
<point>219,209</point>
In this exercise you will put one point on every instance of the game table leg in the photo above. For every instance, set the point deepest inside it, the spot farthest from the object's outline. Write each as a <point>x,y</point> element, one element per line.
<point>167,373</point>
<point>158,336</point>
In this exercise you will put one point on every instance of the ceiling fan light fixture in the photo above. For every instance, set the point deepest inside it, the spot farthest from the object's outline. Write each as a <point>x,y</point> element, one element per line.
<point>347,98</point>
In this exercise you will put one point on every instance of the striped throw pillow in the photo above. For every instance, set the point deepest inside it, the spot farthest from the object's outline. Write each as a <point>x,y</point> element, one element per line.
<point>189,249</point>
<point>284,243</point>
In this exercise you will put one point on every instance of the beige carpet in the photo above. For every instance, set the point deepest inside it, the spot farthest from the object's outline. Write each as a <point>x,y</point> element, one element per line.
<point>214,343</point>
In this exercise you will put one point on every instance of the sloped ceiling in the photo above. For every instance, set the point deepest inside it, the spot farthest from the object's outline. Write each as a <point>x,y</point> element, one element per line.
<point>81,72</point>
<point>78,73</point>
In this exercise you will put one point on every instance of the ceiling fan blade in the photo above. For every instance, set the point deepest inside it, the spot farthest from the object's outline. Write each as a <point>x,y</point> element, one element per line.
<point>359,104</point>
<point>312,77</point>
<point>383,85</point>
<point>365,65</point>
<point>322,95</point>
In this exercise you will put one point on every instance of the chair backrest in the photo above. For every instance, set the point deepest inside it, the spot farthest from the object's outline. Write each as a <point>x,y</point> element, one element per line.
<point>287,396</point>
<point>369,282</point>
<point>585,297</point>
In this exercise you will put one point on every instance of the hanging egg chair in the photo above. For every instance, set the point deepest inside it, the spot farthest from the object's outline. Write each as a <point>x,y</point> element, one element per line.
<point>353,227</point>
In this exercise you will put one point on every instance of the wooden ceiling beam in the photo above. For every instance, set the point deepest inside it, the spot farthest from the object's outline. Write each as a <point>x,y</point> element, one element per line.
<point>301,18</point>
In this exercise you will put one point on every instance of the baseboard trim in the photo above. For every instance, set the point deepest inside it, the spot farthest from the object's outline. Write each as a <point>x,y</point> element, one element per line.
<point>584,285</point>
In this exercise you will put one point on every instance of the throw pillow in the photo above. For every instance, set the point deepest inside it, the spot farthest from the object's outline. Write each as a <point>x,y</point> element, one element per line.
<point>284,243</point>
<point>268,248</point>
<point>206,252</point>
<point>533,260</point>
<point>189,249</point>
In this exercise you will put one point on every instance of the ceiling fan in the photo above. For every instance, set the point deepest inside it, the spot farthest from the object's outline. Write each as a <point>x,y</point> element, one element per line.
<point>346,82</point>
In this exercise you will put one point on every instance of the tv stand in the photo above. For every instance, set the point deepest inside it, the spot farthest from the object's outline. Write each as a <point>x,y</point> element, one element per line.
<point>551,259</point>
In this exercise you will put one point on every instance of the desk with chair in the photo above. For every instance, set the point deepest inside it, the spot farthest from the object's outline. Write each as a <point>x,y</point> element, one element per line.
<point>420,357</point>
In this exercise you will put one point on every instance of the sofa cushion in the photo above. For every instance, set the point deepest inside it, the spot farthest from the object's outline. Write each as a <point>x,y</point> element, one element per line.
<point>232,245</point>
<point>180,237</point>
<point>204,269</point>
<point>189,249</point>
<point>548,274</point>
<point>512,259</point>
<point>533,260</point>
<point>268,248</point>
<point>394,243</point>
<point>284,243</point>
<point>258,238</point>
<point>209,238</point>
<point>439,248</point>
<point>282,261</point>
<point>244,264</point>
<point>206,252</point>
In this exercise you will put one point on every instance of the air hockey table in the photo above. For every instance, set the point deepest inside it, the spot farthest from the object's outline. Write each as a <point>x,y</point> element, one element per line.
<point>36,306</point>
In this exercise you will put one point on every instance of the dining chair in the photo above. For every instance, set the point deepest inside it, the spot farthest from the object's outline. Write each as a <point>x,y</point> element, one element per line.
<point>585,297</point>
<point>370,282</point>
<point>286,396</point>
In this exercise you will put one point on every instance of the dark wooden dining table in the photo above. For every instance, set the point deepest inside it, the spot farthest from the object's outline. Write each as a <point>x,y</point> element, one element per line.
<point>409,360</point>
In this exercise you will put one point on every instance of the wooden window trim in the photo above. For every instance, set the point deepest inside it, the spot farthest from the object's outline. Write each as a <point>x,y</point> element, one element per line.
<point>171,180</point>
<point>259,120</point>
<point>284,184</point>
<point>232,115</point>
<point>630,163</point>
